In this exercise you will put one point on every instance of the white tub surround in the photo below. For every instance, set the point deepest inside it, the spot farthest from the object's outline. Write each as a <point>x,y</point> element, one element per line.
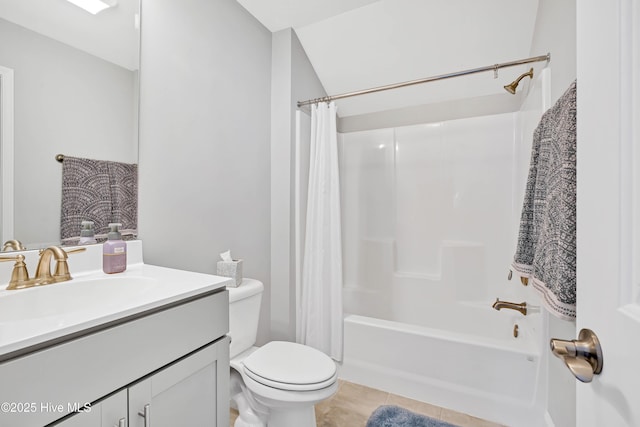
<point>430,214</point>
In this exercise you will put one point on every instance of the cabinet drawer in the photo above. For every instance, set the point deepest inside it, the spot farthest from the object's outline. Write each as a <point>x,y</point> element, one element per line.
<point>87,368</point>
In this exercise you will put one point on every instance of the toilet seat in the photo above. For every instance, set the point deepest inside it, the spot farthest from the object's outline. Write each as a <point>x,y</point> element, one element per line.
<point>290,366</point>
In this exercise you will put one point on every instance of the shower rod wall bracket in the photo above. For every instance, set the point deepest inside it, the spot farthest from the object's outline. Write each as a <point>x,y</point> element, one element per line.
<point>493,68</point>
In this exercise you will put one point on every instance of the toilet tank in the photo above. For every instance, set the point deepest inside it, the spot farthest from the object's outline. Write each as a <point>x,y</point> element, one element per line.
<point>244,314</point>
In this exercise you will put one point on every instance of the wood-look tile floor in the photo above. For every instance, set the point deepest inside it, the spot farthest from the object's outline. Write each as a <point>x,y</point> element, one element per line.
<point>352,405</point>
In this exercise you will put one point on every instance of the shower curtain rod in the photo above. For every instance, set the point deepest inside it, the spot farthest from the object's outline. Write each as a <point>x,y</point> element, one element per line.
<point>494,67</point>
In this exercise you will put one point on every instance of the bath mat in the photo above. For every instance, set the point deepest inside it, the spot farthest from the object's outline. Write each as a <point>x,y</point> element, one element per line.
<point>395,416</point>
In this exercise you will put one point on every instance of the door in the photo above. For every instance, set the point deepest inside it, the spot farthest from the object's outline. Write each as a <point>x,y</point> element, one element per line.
<point>193,391</point>
<point>109,412</point>
<point>608,199</point>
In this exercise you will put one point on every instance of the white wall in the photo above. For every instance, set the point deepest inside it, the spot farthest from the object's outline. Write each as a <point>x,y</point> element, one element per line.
<point>66,101</point>
<point>294,79</point>
<point>204,137</point>
<point>555,32</point>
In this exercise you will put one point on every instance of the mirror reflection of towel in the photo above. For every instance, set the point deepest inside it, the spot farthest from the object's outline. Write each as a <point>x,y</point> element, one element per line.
<point>99,191</point>
<point>546,251</point>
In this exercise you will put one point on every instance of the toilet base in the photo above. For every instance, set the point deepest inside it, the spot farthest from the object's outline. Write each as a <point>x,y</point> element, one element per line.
<point>298,410</point>
<point>278,418</point>
<point>250,412</point>
<point>261,406</point>
<point>290,417</point>
<point>247,417</point>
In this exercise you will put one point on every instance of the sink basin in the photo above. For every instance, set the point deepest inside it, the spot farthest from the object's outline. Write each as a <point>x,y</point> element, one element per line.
<point>35,318</point>
<point>60,300</point>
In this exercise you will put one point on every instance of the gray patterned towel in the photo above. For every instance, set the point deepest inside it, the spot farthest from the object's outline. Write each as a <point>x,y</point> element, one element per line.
<point>99,191</point>
<point>546,251</point>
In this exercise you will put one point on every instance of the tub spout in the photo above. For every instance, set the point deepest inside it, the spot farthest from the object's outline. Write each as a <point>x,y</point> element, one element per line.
<point>522,307</point>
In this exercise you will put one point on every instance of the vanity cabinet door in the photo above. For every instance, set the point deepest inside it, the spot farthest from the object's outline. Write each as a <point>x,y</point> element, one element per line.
<point>108,412</point>
<point>193,391</point>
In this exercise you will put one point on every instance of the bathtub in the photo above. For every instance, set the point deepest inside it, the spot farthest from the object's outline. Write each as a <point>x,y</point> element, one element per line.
<point>491,375</point>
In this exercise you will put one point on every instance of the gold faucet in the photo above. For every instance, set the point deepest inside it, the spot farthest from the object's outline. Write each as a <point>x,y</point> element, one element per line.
<point>20,276</point>
<point>43,270</point>
<point>522,307</point>
<point>13,245</point>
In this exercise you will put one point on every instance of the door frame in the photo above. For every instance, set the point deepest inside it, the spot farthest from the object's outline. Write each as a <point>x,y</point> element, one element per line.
<point>6,154</point>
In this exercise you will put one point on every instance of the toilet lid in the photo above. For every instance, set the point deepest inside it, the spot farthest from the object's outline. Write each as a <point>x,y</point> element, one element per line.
<point>290,366</point>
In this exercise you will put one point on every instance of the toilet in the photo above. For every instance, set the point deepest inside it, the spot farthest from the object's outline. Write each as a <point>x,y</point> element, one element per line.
<point>278,384</point>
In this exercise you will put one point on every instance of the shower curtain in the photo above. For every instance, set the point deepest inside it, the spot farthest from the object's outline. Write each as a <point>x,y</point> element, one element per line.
<point>319,319</point>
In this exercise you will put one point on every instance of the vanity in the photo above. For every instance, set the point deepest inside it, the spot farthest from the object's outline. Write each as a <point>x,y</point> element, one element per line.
<point>147,347</point>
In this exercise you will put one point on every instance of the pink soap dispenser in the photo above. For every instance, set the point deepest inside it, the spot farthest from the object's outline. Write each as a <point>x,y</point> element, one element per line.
<point>114,251</point>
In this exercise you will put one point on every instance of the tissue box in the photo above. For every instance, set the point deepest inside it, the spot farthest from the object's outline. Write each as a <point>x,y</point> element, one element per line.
<point>231,269</point>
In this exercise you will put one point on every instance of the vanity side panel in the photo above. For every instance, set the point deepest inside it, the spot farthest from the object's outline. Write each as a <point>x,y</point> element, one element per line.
<point>85,369</point>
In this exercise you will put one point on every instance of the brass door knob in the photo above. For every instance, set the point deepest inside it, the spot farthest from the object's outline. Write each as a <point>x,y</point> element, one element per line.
<point>583,356</point>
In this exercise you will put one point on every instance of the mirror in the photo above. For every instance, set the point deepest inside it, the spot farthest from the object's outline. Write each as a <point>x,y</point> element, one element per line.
<point>75,92</point>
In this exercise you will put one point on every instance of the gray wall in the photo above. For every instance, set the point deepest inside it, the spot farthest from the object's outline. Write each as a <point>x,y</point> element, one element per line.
<point>66,101</point>
<point>555,32</point>
<point>294,79</point>
<point>204,137</point>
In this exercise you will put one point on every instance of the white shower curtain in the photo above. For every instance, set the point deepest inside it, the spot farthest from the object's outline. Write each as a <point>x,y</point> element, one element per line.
<point>319,319</point>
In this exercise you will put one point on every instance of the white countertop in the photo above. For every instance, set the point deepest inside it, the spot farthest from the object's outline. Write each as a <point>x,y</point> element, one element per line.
<point>33,317</point>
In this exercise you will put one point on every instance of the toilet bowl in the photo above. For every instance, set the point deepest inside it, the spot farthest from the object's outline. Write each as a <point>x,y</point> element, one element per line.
<point>279,383</point>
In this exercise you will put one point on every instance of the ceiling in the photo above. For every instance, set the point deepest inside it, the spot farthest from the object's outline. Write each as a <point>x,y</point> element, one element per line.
<point>110,35</point>
<point>359,44</point>
<point>352,44</point>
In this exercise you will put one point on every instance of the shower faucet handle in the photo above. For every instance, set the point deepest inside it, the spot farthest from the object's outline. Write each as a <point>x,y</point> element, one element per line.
<point>523,280</point>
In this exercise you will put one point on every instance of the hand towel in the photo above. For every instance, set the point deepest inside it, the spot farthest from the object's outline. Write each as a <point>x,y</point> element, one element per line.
<point>546,247</point>
<point>99,191</point>
<point>123,183</point>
